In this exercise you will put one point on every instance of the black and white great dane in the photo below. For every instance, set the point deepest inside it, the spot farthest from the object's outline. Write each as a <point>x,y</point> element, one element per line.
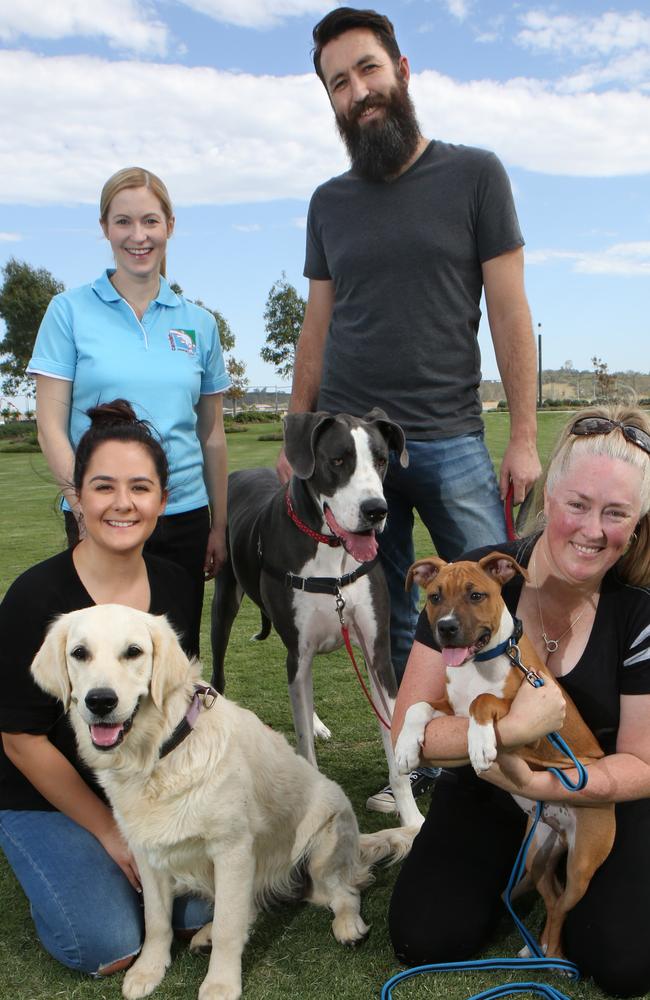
<point>291,547</point>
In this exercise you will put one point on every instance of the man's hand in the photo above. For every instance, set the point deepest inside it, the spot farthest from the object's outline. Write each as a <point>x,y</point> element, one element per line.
<point>283,468</point>
<point>521,466</point>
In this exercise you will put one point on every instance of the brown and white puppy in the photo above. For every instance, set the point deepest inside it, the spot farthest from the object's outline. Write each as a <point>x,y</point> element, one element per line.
<point>468,616</point>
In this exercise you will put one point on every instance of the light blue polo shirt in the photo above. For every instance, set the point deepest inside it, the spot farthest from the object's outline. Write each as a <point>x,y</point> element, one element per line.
<point>91,336</point>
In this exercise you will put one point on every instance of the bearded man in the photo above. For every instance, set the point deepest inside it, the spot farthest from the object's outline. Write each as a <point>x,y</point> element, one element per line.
<point>399,250</point>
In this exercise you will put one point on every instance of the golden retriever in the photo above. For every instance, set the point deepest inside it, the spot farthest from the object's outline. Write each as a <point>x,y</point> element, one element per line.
<point>231,813</point>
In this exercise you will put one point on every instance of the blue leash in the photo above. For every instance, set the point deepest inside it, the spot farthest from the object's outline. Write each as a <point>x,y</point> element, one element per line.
<point>538,961</point>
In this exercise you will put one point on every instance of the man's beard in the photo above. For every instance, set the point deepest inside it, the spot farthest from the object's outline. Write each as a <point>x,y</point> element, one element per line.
<point>379,149</point>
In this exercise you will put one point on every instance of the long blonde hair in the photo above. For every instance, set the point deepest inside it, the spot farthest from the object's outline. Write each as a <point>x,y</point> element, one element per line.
<point>634,564</point>
<point>135,177</point>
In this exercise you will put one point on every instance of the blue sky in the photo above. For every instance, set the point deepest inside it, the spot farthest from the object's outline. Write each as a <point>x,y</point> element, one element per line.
<point>219,97</point>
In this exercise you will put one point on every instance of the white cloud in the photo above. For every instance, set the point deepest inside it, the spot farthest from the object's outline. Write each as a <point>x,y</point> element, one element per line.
<point>532,126</point>
<point>607,33</point>
<point>257,13</point>
<point>621,259</point>
<point>123,23</point>
<point>300,222</point>
<point>251,228</point>
<point>10,237</point>
<point>67,122</point>
<point>615,45</point>
<point>458,8</point>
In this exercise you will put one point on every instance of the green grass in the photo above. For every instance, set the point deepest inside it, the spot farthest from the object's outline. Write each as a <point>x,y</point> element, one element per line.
<point>292,953</point>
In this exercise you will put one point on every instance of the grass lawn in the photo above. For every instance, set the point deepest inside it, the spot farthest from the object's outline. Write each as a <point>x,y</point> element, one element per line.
<point>292,952</point>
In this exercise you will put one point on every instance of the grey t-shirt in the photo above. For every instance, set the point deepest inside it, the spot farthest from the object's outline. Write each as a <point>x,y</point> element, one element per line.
<point>405,257</point>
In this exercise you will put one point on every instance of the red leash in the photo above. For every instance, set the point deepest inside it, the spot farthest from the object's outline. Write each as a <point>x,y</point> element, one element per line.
<point>508,512</point>
<point>340,604</point>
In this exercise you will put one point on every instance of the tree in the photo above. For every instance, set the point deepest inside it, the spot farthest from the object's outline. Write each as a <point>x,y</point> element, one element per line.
<point>604,382</point>
<point>238,381</point>
<point>283,318</point>
<point>24,297</point>
<point>226,336</point>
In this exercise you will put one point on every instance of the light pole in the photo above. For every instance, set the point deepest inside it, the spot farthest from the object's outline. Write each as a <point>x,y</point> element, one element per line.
<point>539,367</point>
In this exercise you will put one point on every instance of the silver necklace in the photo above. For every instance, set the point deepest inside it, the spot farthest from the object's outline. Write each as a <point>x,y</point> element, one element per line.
<point>551,644</point>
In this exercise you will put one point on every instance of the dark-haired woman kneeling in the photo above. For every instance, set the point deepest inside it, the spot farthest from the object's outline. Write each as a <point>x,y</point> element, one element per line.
<point>56,829</point>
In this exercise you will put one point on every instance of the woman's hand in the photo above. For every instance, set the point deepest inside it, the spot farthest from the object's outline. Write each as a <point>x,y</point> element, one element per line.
<point>534,713</point>
<point>114,844</point>
<point>215,553</point>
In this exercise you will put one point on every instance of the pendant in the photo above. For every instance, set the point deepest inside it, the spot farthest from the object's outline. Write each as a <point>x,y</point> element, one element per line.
<point>551,644</point>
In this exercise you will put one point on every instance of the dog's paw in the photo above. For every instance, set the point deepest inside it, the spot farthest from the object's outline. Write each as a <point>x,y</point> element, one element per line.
<point>481,745</point>
<point>201,943</point>
<point>349,928</point>
<point>211,990</point>
<point>407,751</point>
<point>321,732</point>
<point>142,979</point>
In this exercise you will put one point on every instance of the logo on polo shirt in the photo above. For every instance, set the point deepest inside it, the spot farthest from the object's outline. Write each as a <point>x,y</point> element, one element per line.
<point>183,340</point>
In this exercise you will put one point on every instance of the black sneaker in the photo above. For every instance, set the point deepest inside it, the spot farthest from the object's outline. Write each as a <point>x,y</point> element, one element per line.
<point>384,801</point>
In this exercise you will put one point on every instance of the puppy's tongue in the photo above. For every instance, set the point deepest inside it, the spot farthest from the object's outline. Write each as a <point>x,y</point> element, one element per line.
<point>105,736</point>
<point>361,546</point>
<point>454,656</point>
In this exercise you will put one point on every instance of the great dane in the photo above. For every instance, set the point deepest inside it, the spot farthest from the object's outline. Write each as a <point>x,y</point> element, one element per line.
<point>297,550</point>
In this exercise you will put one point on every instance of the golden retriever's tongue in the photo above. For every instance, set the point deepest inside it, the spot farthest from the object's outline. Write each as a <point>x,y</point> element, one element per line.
<point>105,736</point>
<point>362,547</point>
<point>454,656</point>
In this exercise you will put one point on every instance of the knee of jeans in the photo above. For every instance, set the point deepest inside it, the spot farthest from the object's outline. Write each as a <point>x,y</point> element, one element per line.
<point>94,945</point>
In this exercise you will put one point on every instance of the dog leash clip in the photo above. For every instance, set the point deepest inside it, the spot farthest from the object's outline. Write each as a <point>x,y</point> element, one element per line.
<point>207,694</point>
<point>340,606</point>
<point>514,654</point>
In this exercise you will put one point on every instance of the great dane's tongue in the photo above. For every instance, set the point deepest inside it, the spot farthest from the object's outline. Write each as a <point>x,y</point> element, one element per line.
<point>454,656</point>
<point>105,736</point>
<point>362,547</point>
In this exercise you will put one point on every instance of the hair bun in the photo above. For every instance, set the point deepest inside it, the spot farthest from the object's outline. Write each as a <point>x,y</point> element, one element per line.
<point>118,411</point>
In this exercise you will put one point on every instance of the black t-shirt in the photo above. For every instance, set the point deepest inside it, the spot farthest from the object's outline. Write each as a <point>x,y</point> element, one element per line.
<point>616,659</point>
<point>31,604</point>
<point>405,257</point>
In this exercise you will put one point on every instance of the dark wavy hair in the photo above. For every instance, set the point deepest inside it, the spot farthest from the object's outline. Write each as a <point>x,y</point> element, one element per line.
<point>343,19</point>
<point>117,421</point>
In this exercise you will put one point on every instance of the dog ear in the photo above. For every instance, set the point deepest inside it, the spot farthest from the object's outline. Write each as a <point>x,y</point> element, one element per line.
<point>423,571</point>
<point>391,431</point>
<point>170,664</point>
<point>300,431</point>
<point>501,567</point>
<point>49,668</point>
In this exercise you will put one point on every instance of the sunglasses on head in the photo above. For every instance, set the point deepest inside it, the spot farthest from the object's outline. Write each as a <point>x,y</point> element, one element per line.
<point>586,426</point>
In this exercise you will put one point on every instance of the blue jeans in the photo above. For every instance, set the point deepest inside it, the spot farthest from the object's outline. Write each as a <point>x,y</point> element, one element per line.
<point>86,913</point>
<point>453,487</point>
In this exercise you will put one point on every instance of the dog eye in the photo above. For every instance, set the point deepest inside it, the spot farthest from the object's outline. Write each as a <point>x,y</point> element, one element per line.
<point>434,598</point>
<point>132,652</point>
<point>337,462</point>
<point>476,596</point>
<point>79,653</point>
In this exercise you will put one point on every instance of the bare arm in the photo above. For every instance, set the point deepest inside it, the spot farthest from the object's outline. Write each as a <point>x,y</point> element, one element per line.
<point>514,347</point>
<point>309,357</point>
<point>534,712</point>
<point>56,779</point>
<point>53,398</point>
<point>212,436</point>
<point>620,777</point>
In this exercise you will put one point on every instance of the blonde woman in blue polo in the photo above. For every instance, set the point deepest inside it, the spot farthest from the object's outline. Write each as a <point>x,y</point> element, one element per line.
<point>129,335</point>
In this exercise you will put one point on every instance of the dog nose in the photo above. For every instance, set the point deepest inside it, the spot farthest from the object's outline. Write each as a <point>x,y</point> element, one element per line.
<point>447,628</point>
<point>374,510</point>
<point>101,701</point>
